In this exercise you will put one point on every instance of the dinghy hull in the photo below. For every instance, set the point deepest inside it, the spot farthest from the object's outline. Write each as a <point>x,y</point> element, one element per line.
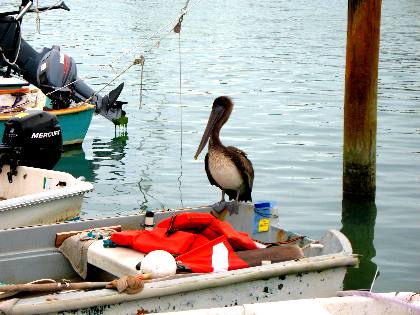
<point>37,196</point>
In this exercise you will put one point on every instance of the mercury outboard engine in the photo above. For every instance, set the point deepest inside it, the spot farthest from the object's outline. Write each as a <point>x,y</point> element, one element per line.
<point>31,139</point>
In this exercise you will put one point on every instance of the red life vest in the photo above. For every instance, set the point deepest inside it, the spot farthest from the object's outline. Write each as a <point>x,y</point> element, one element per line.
<point>208,226</point>
<point>214,256</point>
<point>204,243</point>
<point>146,241</point>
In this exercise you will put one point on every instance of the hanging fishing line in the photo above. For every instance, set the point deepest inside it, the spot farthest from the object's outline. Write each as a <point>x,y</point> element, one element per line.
<point>177,29</point>
<point>141,81</point>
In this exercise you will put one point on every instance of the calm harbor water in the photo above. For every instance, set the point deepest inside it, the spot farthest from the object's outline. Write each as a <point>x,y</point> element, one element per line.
<point>283,64</point>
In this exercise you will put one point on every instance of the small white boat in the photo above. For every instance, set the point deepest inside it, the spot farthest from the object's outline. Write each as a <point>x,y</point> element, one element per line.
<point>39,196</point>
<point>350,303</point>
<point>31,253</point>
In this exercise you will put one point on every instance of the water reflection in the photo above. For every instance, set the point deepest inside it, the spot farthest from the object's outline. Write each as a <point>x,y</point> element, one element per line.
<point>114,149</point>
<point>145,182</point>
<point>358,219</point>
<point>73,161</point>
<point>118,144</point>
<point>151,157</point>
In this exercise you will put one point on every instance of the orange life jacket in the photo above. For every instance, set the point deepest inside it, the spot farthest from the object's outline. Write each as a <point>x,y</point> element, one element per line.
<point>182,233</point>
<point>214,256</point>
<point>207,225</point>
<point>146,241</point>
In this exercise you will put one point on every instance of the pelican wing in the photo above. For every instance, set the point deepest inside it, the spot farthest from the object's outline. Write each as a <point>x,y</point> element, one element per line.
<point>246,169</point>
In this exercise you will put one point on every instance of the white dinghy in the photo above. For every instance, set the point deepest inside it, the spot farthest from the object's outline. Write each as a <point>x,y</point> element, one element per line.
<point>31,253</point>
<point>38,196</point>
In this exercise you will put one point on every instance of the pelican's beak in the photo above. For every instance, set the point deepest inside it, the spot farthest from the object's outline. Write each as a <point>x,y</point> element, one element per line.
<point>215,115</point>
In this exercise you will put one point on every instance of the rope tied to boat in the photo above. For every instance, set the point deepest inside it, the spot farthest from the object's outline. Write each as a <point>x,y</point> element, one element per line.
<point>37,19</point>
<point>157,37</point>
<point>128,284</point>
<point>290,241</point>
<point>38,12</point>
<point>140,61</point>
<point>2,51</point>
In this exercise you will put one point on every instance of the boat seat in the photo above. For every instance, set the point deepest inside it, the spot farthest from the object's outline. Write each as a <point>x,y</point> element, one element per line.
<point>118,261</point>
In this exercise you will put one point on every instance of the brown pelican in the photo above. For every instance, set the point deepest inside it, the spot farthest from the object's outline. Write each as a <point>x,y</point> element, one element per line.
<point>227,167</point>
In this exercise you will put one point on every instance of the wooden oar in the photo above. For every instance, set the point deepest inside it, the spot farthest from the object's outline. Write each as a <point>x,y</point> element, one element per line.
<point>60,286</point>
<point>51,287</point>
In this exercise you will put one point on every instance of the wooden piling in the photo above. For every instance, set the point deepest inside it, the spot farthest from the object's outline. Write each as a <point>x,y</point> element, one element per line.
<point>362,54</point>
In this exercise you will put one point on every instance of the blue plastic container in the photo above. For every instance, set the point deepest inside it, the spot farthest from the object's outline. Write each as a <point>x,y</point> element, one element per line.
<point>262,216</point>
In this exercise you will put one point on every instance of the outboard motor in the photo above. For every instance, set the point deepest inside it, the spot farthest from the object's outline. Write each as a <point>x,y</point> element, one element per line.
<point>31,139</point>
<point>51,69</point>
<point>56,72</point>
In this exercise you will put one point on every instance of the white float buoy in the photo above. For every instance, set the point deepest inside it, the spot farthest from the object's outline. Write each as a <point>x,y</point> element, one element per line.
<point>158,263</point>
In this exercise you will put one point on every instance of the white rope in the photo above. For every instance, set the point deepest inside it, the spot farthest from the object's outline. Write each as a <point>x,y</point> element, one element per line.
<point>38,25</point>
<point>167,27</point>
<point>185,6</point>
<point>156,44</point>
<point>37,19</point>
<point>156,37</point>
<point>12,63</point>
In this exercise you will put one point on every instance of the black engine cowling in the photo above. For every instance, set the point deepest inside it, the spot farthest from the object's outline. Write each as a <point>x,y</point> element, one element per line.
<point>57,72</point>
<point>32,139</point>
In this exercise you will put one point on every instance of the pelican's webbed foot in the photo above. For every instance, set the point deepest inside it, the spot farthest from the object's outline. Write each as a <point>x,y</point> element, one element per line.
<point>219,206</point>
<point>231,206</point>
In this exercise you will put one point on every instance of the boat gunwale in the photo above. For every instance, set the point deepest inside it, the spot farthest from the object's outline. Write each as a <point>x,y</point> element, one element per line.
<point>81,221</point>
<point>82,300</point>
<point>78,187</point>
<point>46,196</point>
<point>81,107</point>
<point>72,110</point>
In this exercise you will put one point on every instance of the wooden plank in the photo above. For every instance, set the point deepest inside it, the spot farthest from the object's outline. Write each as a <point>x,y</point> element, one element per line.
<point>62,236</point>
